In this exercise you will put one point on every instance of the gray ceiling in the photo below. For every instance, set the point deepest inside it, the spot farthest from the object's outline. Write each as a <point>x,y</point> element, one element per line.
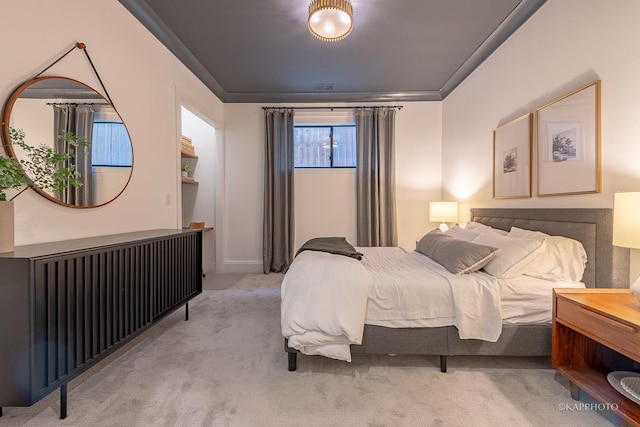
<point>399,50</point>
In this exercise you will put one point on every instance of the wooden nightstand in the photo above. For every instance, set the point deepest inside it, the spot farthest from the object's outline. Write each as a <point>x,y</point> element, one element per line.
<point>596,331</point>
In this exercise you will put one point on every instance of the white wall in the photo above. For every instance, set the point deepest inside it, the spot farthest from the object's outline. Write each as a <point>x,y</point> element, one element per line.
<point>418,168</point>
<point>142,78</point>
<point>243,159</point>
<point>418,153</point>
<point>34,117</point>
<point>108,182</point>
<point>565,45</point>
<point>325,204</point>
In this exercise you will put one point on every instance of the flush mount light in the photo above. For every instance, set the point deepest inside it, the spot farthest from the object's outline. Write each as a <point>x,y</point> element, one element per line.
<point>330,20</point>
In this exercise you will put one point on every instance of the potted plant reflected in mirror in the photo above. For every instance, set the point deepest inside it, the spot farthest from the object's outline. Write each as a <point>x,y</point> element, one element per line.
<point>42,167</point>
<point>186,170</point>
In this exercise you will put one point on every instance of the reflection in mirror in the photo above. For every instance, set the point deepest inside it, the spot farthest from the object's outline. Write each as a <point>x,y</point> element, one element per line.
<point>53,110</point>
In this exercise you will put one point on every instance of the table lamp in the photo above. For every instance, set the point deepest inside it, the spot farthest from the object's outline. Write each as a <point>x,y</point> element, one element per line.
<point>626,226</point>
<point>443,212</point>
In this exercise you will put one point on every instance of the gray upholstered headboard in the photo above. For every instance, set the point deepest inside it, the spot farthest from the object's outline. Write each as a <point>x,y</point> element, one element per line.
<point>607,265</point>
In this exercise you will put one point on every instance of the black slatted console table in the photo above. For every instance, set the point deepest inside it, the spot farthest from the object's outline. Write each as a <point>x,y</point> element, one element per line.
<point>66,305</point>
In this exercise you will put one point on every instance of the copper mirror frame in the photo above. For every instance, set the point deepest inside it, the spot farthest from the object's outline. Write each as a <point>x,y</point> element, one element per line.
<point>30,108</point>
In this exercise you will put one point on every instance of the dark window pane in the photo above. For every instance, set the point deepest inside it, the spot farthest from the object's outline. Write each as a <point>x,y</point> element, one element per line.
<point>312,147</point>
<point>344,146</point>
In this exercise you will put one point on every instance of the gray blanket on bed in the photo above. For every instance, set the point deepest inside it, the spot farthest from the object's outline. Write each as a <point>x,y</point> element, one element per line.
<point>332,245</point>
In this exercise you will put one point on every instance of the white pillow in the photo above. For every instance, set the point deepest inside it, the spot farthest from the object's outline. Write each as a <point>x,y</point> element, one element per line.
<point>563,260</point>
<point>461,233</point>
<point>514,256</point>
<point>479,228</point>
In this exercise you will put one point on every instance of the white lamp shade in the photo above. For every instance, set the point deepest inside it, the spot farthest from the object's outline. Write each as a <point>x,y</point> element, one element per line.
<point>626,220</point>
<point>443,211</point>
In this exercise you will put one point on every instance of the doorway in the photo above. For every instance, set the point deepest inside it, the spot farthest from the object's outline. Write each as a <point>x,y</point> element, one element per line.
<point>198,186</point>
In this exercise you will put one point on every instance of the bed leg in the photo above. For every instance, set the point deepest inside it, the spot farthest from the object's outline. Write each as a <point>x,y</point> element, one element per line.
<point>443,363</point>
<point>293,361</point>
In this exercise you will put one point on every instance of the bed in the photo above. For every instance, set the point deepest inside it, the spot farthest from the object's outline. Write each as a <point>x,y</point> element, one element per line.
<point>607,266</point>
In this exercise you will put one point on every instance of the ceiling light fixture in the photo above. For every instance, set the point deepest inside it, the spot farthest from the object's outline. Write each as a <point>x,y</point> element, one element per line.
<point>330,20</point>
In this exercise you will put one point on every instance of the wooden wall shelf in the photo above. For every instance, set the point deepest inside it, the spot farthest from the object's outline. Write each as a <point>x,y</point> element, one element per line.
<point>184,154</point>
<point>187,180</point>
<point>199,226</point>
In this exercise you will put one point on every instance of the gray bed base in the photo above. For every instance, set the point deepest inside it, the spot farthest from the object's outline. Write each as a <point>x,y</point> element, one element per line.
<point>607,267</point>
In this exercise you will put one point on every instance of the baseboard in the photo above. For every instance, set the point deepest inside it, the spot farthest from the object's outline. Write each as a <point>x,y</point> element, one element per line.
<point>242,267</point>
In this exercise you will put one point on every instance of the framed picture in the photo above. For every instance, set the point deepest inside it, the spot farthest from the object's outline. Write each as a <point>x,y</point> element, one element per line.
<point>568,140</point>
<point>512,159</point>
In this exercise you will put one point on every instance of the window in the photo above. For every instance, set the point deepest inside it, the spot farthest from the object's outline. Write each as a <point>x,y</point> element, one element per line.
<point>325,146</point>
<point>110,145</point>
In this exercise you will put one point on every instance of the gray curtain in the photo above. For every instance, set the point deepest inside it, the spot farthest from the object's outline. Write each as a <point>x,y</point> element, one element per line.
<point>375,177</point>
<point>278,221</point>
<point>78,120</point>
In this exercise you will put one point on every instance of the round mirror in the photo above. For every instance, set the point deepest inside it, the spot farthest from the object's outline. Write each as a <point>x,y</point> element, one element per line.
<point>75,120</point>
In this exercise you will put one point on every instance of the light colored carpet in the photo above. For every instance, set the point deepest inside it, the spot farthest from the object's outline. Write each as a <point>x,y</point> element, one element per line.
<point>226,366</point>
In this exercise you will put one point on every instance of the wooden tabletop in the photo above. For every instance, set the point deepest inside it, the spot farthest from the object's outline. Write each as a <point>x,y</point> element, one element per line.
<point>618,303</point>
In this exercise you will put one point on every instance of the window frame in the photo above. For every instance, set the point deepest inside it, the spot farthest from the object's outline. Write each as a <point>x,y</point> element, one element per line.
<point>331,166</point>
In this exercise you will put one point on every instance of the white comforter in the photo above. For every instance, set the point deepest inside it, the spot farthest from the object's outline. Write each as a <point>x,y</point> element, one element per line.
<point>327,298</point>
<point>324,302</point>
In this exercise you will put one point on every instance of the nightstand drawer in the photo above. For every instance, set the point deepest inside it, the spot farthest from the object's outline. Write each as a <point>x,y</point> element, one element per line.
<point>617,335</point>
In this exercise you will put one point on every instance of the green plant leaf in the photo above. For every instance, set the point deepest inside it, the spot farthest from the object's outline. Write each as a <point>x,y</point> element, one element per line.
<point>42,166</point>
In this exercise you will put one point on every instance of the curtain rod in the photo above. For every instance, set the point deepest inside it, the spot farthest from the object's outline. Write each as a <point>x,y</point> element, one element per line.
<point>399,107</point>
<point>77,103</point>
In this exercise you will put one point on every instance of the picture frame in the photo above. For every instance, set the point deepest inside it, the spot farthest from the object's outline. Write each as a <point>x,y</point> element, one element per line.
<point>512,158</point>
<point>568,144</point>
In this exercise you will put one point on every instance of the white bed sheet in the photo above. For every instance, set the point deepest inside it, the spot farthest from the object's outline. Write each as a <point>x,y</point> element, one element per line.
<point>409,289</point>
<point>529,300</point>
<point>405,287</point>
<point>402,281</point>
